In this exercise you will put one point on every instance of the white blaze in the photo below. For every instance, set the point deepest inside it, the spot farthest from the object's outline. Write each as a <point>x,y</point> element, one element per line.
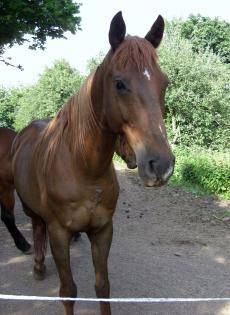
<point>146,73</point>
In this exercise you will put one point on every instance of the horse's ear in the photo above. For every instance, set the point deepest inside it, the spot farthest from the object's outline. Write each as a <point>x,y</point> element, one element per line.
<point>117,31</point>
<point>154,36</point>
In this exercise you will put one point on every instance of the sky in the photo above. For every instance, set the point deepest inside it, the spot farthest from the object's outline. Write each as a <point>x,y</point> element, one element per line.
<point>96,17</point>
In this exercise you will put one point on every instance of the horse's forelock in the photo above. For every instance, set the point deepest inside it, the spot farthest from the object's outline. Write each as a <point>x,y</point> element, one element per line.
<point>134,52</point>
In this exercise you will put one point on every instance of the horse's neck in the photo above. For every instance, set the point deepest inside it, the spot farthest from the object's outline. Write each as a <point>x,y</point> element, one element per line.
<point>99,142</point>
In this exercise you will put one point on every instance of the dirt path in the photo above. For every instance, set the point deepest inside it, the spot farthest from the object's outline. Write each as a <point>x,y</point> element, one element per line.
<point>167,243</point>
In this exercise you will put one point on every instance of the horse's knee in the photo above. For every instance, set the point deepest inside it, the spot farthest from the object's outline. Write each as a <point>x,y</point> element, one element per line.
<point>102,288</point>
<point>69,290</point>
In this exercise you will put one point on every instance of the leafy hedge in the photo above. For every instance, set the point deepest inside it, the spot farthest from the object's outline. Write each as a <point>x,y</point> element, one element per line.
<point>44,98</point>
<point>9,102</point>
<point>198,98</point>
<point>210,171</point>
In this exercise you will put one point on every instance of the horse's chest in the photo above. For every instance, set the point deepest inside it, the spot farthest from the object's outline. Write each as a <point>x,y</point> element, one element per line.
<point>99,207</point>
<point>92,210</point>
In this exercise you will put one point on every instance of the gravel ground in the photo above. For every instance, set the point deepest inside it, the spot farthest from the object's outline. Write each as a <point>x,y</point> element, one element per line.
<point>167,243</point>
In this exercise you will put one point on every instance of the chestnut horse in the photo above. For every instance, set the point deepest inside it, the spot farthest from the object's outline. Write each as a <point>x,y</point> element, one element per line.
<point>64,173</point>
<point>7,199</point>
<point>124,150</point>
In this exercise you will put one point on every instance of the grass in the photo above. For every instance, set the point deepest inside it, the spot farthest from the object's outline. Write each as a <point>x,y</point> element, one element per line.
<point>201,172</point>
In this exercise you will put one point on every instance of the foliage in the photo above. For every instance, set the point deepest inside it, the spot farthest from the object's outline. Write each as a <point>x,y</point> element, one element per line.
<point>198,98</point>
<point>40,19</point>
<point>204,32</point>
<point>9,100</point>
<point>52,90</point>
<point>94,62</point>
<point>208,170</point>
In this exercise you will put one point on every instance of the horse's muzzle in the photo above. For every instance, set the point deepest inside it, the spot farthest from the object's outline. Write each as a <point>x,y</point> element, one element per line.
<point>131,164</point>
<point>155,170</point>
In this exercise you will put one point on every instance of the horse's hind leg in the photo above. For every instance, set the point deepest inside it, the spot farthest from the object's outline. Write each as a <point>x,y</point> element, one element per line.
<point>40,244</point>
<point>60,244</point>
<point>7,201</point>
<point>100,246</point>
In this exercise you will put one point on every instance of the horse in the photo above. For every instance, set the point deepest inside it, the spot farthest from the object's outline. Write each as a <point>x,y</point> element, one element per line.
<point>124,150</point>
<point>7,199</point>
<point>63,171</point>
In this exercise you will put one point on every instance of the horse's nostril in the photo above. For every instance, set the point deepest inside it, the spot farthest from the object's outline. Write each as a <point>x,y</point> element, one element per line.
<point>151,166</point>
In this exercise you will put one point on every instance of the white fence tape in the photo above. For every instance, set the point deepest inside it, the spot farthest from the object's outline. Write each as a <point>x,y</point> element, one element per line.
<point>113,300</point>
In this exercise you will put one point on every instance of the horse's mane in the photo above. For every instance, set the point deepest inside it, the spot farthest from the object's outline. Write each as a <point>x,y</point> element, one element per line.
<point>74,121</point>
<point>134,52</point>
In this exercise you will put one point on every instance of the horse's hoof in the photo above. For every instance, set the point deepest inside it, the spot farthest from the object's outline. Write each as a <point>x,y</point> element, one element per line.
<point>27,250</point>
<point>40,273</point>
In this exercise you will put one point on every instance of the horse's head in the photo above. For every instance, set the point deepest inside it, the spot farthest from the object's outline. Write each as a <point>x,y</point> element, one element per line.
<point>124,150</point>
<point>134,89</point>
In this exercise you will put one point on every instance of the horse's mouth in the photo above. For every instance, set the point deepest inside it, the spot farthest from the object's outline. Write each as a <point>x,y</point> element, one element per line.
<point>131,165</point>
<point>155,174</point>
<point>149,182</point>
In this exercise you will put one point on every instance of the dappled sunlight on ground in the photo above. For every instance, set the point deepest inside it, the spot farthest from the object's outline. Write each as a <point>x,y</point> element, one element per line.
<point>213,254</point>
<point>221,260</point>
<point>224,310</point>
<point>13,261</point>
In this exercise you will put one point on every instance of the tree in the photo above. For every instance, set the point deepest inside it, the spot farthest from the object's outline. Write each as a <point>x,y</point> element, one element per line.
<point>52,90</point>
<point>39,19</point>
<point>93,62</point>
<point>198,97</point>
<point>204,32</point>
<point>9,100</point>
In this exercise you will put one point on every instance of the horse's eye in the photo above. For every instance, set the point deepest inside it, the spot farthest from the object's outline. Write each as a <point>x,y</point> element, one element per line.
<point>120,86</point>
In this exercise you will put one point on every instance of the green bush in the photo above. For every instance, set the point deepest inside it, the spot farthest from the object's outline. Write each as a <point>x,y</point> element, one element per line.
<point>52,90</point>
<point>204,32</point>
<point>198,98</point>
<point>210,171</point>
<point>9,103</point>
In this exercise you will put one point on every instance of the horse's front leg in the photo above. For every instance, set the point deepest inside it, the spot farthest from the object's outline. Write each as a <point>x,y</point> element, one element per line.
<point>100,246</point>
<point>60,244</point>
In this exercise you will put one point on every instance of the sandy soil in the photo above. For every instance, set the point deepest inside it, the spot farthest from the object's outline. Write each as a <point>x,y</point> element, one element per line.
<point>167,243</point>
